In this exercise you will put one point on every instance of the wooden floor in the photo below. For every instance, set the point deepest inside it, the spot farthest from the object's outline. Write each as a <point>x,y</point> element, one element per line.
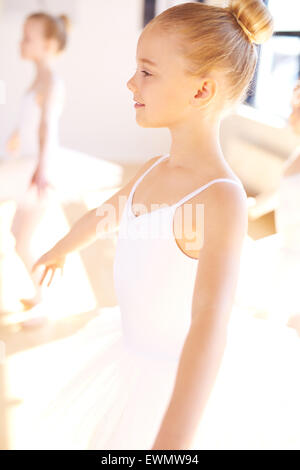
<point>17,344</point>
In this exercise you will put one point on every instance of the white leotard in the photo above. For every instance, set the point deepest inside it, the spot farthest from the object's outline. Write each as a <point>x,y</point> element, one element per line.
<point>30,115</point>
<point>149,240</point>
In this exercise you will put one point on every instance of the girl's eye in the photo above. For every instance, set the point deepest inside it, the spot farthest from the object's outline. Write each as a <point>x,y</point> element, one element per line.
<point>144,71</point>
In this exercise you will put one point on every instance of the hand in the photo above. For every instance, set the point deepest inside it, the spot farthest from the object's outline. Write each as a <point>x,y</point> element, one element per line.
<point>41,182</point>
<point>52,262</point>
<point>13,143</point>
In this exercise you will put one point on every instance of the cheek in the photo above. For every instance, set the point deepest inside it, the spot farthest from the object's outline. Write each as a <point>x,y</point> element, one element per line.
<point>37,48</point>
<point>173,100</point>
<point>30,44</point>
<point>26,48</point>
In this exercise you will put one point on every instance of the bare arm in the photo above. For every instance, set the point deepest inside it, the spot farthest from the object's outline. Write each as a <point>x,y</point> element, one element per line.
<point>100,220</point>
<point>216,280</point>
<point>93,224</point>
<point>45,126</point>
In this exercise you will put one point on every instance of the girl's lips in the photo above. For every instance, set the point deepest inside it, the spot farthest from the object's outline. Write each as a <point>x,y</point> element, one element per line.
<point>137,105</point>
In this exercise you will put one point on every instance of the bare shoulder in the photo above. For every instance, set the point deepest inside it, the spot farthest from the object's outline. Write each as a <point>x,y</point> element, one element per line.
<point>227,194</point>
<point>218,215</point>
<point>225,206</point>
<point>118,200</point>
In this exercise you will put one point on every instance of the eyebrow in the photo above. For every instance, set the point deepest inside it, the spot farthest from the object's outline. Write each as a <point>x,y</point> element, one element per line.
<point>148,61</point>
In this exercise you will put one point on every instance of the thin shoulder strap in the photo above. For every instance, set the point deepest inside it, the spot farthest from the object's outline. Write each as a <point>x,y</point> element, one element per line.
<point>198,190</point>
<point>145,173</point>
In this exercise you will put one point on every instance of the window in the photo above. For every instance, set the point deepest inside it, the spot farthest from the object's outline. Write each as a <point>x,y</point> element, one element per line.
<point>278,66</point>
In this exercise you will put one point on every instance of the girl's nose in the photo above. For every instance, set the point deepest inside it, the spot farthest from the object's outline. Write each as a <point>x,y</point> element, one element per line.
<point>129,84</point>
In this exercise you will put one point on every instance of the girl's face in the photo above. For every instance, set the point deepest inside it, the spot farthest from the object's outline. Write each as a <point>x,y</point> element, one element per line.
<point>33,45</point>
<point>168,94</point>
<point>294,119</point>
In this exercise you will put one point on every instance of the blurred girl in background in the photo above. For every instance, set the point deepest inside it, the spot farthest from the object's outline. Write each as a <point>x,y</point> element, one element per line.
<point>272,291</point>
<point>37,135</point>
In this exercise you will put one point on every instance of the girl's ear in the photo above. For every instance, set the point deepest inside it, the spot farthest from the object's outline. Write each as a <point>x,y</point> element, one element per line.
<point>207,89</point>
<point>203,91</point>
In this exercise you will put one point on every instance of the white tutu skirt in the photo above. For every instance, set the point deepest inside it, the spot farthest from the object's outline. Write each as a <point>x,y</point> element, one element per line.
<point>96,392</point>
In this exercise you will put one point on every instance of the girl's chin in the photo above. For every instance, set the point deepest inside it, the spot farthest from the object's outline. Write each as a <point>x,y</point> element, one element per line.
<point>26,57</point>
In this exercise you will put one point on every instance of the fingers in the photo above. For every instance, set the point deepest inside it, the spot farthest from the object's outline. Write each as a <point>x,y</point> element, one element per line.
<point>44,275</point>
<point>52,274</point>
<point>41,187</point>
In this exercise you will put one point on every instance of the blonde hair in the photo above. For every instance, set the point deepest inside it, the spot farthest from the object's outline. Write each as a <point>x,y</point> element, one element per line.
<point>212,37</point>
<point>55,27</point>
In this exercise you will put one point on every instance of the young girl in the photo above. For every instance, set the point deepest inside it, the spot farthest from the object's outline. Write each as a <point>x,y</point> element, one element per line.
<point>36,136</point>
<point>54,167</point>
<point>165,369</point>
<point>274,290</point>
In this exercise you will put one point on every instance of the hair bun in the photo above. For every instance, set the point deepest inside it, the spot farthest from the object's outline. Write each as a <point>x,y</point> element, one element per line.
<point>254,18</point>
<point>66,20</point>
<point>251,37</point>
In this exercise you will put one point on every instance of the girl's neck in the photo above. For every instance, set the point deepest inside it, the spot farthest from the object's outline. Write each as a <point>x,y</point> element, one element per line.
<point>43,67</point>
<point>197,147</point>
